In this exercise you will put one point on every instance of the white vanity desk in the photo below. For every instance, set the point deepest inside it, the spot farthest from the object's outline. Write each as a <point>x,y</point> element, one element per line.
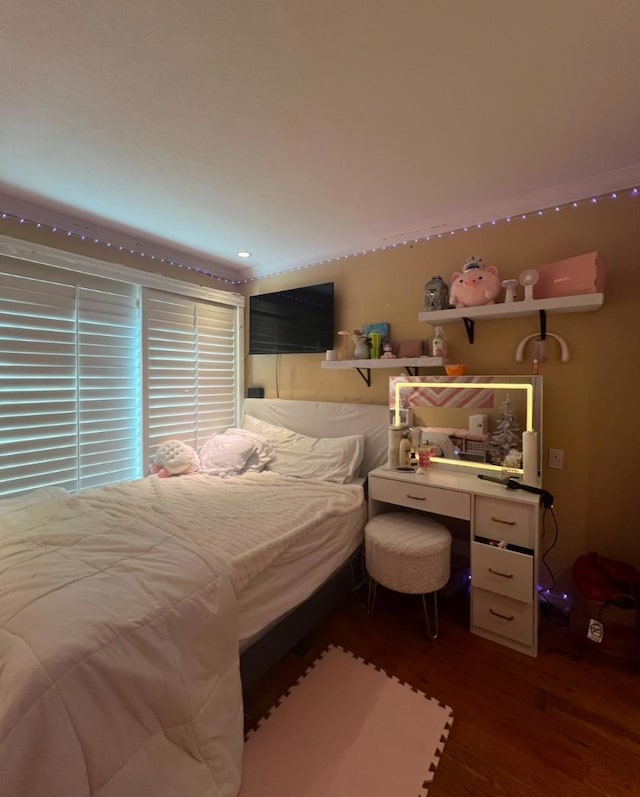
<point>504,599</point>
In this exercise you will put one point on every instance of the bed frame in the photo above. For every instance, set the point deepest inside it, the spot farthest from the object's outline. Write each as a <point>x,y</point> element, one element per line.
<point>295,628</point>
<point>318,419</point>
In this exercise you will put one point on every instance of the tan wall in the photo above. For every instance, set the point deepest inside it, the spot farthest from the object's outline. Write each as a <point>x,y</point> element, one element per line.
<point>591,404</point>
<point>110,254</point>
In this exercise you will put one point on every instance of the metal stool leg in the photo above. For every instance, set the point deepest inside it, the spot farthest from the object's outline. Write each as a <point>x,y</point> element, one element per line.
<point>426,615</point>
<point>371,597</point>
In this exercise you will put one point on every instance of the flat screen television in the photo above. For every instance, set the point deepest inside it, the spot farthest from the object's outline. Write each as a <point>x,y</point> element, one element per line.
<point>298,320</point>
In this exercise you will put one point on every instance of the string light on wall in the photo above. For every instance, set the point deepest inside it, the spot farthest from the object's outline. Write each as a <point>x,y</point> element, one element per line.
<point>634,192</point>
<point>70,234</point>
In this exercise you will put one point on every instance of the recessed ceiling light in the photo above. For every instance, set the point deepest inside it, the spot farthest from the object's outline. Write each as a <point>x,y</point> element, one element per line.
<point>243,254</point>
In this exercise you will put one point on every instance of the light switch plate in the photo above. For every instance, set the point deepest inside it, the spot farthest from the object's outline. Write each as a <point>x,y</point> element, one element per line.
<point>556,458</point>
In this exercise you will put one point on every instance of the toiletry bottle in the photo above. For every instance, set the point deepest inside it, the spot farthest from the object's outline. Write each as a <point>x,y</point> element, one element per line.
<point>404,453</point>
<point>438,347</point>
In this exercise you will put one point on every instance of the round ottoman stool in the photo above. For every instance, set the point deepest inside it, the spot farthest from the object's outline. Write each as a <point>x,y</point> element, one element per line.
<point>408,552</point>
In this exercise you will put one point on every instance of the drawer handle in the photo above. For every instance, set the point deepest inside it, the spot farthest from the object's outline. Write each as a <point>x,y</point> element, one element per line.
<point>505,522</point>
<point>498,573</point>
<point>502,616</point>
<point>416,497</point>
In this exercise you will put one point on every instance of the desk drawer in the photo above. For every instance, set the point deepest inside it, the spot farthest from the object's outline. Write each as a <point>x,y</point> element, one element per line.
<point>505,572</point>
<point>510,521</point>
<point>503,616</point>
<point>421,497</point>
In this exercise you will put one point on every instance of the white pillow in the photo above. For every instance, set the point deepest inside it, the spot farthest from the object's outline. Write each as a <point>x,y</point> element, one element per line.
<point>334,459</point>
<point>233,452</point>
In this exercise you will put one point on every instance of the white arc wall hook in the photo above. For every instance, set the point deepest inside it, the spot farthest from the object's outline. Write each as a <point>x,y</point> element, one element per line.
<point>540,351</point>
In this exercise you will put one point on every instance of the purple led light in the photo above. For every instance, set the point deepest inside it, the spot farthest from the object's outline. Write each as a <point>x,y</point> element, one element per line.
<point>524,216</point>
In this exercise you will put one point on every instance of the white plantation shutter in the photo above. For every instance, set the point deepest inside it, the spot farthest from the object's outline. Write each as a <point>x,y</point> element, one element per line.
<point>109,386</point>
<point>82,400</point>
<point>69,379</point>
<point>37,385</point>
<point>192,368</point>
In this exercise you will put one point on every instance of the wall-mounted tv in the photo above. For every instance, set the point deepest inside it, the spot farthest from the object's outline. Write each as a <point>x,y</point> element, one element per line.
<point>298,320</point>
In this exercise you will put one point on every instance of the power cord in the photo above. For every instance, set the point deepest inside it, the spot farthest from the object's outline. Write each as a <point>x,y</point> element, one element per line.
<point>549,510</point>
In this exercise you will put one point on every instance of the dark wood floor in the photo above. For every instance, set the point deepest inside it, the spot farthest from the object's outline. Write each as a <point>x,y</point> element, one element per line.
<point>565,724</point>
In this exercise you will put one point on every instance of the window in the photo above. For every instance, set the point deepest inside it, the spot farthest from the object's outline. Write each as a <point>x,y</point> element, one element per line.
<point>90,384</point>
<point>69,394</point>
<point>192,373</point>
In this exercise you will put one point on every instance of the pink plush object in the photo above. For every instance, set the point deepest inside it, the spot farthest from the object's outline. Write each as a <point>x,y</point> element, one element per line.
<point>156,470</point>
<point>174,458</point>
<point>474,286</point>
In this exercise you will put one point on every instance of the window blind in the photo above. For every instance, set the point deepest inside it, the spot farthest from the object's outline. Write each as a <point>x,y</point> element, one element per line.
<point>191,366</point>
<point>69,379</point>
<point>83,400</point>
<point>109,387</point>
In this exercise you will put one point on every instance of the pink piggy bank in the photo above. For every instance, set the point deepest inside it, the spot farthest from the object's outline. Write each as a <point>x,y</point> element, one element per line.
<point>474,287</point>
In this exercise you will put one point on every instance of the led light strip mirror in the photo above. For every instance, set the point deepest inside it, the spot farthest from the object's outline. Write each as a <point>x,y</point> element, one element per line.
<point>532,411</point>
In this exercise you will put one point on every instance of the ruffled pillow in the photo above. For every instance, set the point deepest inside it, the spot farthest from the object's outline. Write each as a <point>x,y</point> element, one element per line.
<point>234,452</point>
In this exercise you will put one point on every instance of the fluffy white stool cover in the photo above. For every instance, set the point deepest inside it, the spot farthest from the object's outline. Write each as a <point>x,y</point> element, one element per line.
<point>408,552</point>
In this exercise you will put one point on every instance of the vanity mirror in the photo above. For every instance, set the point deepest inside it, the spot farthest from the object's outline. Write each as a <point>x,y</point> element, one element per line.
<point>482,424</point>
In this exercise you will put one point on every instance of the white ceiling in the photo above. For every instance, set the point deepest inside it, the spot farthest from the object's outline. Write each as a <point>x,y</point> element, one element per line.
<point>304,130</point>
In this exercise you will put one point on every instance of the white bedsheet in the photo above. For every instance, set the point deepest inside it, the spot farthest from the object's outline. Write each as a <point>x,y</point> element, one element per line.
<point>298,572</point>
<point>119,630</point>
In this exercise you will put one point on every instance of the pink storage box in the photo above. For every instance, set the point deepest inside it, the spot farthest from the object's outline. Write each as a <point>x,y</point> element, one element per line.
<point>570,277</point>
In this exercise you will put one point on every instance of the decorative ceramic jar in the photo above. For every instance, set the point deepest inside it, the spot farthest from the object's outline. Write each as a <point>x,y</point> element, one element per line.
<point>361,351</point>
<point>436,294</point>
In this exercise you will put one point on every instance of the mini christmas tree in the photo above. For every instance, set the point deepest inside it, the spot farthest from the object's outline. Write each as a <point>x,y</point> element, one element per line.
<point>506,436</point>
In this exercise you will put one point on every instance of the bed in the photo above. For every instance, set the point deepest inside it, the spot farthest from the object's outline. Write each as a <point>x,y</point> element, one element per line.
<point>131,615</point>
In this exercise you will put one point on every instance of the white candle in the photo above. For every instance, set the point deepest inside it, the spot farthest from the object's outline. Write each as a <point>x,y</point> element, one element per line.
<point>396,433</point>
<point>530,458</point>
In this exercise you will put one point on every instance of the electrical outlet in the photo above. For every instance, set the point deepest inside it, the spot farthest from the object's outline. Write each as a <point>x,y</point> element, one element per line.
<point>595,631</point>
<point>556,458</point>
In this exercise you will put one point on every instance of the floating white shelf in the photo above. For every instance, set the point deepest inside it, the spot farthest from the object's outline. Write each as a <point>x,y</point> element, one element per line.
<point>364,367</point>
<point>386,362</point>
<point>584,303</point>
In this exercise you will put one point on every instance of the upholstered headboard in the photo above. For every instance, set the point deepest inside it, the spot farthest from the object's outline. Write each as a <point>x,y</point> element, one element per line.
<point>329,419</point>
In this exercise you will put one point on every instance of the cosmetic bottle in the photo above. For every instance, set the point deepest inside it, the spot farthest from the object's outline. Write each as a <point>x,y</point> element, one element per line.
<point>438,346</point>
<point>404,453</point>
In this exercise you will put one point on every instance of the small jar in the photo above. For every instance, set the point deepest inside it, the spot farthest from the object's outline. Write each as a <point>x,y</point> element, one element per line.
<point>424,456</point>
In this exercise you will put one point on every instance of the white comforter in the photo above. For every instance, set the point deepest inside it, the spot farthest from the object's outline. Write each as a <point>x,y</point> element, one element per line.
<point>118,630</point>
